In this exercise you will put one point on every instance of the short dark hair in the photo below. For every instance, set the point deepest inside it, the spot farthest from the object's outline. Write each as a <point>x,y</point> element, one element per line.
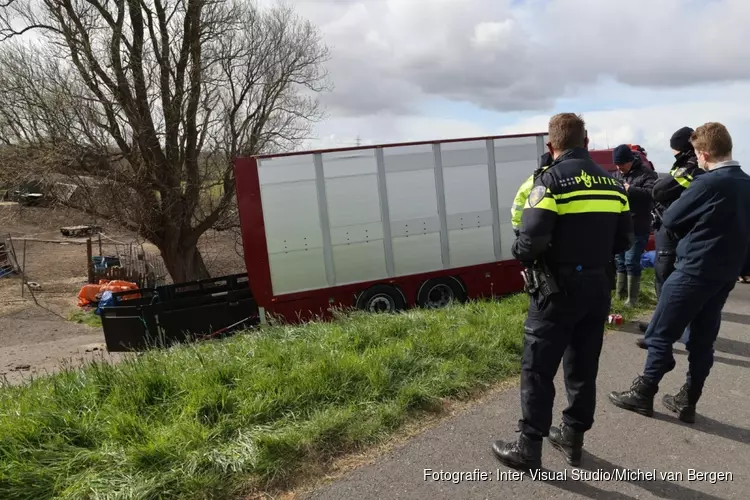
<point>713,138</point>
<point>567,131</point>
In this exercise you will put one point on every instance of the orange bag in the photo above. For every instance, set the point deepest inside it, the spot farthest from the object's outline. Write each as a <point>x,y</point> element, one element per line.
<point>90,294</point>
<point>87,295</point>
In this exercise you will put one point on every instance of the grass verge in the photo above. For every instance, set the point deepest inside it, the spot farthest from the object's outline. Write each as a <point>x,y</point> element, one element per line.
<point>88,318</point>
<point>213,419</point>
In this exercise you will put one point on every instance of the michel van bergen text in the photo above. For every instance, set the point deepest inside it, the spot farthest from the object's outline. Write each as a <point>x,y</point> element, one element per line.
<point>577,475</point>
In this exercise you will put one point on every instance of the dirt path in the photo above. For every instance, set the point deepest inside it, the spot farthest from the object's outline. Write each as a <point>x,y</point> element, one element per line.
<point>34,341</point>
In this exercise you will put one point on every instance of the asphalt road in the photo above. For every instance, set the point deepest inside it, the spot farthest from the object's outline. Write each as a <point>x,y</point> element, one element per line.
<point>620,440</point>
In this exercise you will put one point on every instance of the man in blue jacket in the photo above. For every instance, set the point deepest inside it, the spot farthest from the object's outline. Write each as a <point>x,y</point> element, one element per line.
<point>712,221</point>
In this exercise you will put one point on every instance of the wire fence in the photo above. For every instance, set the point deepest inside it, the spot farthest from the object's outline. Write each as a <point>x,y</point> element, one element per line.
<point>56,269</point>
<point>130,261</point>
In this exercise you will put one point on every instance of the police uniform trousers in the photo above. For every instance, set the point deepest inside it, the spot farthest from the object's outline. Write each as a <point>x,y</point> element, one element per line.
<point>567,326</point>
<point>666,255</point>
<point>686,301</point>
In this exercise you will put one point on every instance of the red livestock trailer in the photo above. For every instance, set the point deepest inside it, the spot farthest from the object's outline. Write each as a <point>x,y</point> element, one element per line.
<point>385,227</point>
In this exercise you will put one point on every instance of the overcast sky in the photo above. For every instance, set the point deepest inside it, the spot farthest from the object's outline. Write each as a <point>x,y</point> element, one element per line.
<point>636,70</point>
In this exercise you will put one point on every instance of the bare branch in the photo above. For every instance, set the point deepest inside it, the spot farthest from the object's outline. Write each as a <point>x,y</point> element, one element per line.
<point>135,109</point>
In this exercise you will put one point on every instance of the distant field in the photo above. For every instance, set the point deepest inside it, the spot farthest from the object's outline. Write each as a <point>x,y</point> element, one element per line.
<point>253,411</point>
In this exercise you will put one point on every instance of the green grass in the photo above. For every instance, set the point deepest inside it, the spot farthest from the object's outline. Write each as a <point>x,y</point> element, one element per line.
<point>87,318</point>
<point>209,420</point>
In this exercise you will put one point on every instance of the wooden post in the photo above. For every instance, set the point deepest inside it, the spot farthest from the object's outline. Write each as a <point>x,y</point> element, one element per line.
<point>89,261</point>
<point>23,270</point>
<point>100,244</point>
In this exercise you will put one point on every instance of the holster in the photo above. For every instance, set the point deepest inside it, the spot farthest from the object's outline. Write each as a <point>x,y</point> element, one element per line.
<point>538,280</point>
<point>656,214</point>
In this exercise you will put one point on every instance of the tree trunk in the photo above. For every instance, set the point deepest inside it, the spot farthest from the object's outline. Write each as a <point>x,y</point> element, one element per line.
<point>185,264</point>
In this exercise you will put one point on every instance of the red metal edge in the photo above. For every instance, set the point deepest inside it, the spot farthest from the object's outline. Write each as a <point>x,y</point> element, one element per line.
<point>252,225</point>
<point>398,144</point>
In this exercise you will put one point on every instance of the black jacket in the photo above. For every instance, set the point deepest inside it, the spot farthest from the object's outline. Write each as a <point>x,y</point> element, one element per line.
<point>576,214</point>
<point>641,179</point>
<point>668,189</point>
<point>712,221</point>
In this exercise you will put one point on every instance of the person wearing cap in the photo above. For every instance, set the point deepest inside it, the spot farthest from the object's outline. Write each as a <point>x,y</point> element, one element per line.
<point>665,192</point>
<point>639,181</point>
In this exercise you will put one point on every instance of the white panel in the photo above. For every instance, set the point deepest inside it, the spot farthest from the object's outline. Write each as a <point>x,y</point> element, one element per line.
<point>286,169</point>
<point>298,271</point>
<point>356,234</point>
<point>473,246</point>
<point>470,220</point>
<point>345,163</point>
<point>507,237</point>
<point>516,141</point>
<point>510,176</point>
<point>353,200</point>
<point>417,254</point>
<point>415,227</point>
<point>466,188</point>
<point>461,154</point>
<point>411,195</point>
<point>359,262</point>
<point>291,217</point>
<point>505,152</point>
<point>406,158</point>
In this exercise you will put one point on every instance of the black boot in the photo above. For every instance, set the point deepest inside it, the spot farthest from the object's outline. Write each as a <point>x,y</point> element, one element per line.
<point>641,343</point>
<point>568,441</point>
<point>642,326</point>
<point>523,454</point>
<point>639,399</point>
<point>683,403</point>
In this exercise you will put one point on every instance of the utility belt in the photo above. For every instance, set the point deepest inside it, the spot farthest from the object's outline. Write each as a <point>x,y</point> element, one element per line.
<point>543,280</point>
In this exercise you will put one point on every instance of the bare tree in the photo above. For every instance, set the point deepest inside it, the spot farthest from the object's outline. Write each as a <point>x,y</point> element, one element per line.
<point>144,104</point>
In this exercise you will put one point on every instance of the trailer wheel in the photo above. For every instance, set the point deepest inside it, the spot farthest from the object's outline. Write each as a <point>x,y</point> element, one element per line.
<point>440,292</point>
<point>381,299</point>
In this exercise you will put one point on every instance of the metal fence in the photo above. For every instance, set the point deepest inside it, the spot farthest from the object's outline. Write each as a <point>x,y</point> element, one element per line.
<point>114,260</point>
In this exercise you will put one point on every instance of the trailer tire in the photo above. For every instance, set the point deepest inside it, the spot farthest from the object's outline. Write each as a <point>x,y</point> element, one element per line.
<point>381,299</point>
<point>441,292</point>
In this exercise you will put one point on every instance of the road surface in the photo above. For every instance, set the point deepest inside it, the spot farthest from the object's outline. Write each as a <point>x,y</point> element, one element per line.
<point>711,456</point>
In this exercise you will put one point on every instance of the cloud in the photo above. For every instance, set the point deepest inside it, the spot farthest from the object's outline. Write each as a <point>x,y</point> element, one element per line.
<point>511,55</point>
<point>648,124</point>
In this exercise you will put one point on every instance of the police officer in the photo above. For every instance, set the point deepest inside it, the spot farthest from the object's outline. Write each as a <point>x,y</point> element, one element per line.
<point>712,220</point>
<point>523,192</point>
<point>575,218</point>
<point>639,180</point>
<point>666,191</point>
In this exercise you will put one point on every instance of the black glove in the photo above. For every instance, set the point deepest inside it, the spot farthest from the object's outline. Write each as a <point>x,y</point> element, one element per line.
<point>545,160</point>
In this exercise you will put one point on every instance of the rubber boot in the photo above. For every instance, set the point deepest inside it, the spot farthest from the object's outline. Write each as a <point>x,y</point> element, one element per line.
<point>568,441</point>
<point>622,286</point>
<point>524,454</point>
<point>634,288</point>
<point>683,403</point>
<point>639,399</point>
